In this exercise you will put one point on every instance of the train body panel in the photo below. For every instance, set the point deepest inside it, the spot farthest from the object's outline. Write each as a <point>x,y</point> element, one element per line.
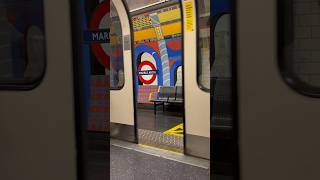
<point>37,126</point>
<point>278,127</point>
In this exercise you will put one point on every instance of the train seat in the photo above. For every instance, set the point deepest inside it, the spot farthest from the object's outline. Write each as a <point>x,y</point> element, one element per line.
<point>166,94</point>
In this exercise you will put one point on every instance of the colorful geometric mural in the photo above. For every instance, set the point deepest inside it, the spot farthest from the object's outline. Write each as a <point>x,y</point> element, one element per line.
<point>158,48</point>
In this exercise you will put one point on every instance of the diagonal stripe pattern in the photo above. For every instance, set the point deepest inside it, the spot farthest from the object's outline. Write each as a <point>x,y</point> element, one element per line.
<point>162,47</point>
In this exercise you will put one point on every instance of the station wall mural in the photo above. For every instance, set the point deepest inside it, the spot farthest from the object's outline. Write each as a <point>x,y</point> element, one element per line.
<point>157,50</point>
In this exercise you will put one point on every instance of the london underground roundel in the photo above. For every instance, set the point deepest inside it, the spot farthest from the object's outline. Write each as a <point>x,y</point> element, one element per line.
<point>147,72</point>
<point>100,20</point>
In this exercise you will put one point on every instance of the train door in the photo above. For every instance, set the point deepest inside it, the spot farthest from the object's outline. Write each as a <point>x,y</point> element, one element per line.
<point>37,109</point>
<point>162,42</point>
<point>223,141</point>
<point>278,76</point>
<point>158,69</point>
<point>122,114</point>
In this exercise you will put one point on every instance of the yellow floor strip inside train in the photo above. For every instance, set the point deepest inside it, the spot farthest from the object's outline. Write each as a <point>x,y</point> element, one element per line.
<point>176,131</point>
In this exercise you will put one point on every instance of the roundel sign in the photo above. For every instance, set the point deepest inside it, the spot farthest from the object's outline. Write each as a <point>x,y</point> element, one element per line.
<point>100,32</point>
<point>147,72</point>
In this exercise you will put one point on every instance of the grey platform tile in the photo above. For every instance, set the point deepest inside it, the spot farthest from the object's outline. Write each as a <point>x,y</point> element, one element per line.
<point>132,165</point>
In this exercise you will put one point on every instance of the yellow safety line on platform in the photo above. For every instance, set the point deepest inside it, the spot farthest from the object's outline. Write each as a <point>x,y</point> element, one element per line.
<point>176,131</point>
<point>155,148</point>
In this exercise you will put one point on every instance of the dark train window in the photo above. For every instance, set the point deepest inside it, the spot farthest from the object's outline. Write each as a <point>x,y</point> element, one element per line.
<point>221,66</point>
<point>299,44</point>
<point>203,69</point>
<point>22,43</point>
<point>116,64</point>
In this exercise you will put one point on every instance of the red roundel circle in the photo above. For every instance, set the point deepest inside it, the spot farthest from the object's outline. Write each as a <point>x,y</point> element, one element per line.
<point>98,21</point>
<point>147,65</point>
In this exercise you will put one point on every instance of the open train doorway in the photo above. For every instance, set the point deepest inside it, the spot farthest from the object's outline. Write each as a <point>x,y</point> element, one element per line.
<point>159,102</point>
<point>158,73</point>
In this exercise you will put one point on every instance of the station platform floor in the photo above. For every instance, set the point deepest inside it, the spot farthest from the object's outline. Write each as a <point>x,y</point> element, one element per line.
<point>135,162</point>
<point>119,160</point>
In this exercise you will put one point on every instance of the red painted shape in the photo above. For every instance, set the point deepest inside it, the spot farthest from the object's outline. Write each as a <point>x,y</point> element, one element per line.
<point>154,76</point>
<point>154,46</point>
<point>171,61</point>
<point>174,45</point>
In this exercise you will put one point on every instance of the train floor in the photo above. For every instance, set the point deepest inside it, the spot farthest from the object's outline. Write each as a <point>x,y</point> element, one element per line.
<point>162,130</point>
<point>160,122</point>
<point>135,162</point>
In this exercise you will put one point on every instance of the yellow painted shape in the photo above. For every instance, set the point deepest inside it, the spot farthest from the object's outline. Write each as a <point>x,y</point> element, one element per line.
<point>176,131</point>
<point>142,22</point>
<point>144,34</point>
<point>158,33</point>
<point>150,96</point>
<point>167,30</point>
<point>171,29</point>
<point>169,15</point>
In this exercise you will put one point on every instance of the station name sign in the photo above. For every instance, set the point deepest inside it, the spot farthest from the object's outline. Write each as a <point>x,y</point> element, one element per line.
<point>100,36</point>
<point>147,72</point>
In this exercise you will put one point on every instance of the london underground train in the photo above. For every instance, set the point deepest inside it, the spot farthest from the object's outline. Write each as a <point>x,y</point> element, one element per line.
<point>230,82</point>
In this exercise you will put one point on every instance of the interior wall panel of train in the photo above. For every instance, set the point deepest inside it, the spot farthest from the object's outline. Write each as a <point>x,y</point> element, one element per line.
<point>37,127</point>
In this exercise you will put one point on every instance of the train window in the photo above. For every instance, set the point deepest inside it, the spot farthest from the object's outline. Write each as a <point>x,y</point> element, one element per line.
<point>116,63</point>
<point>221,66</point>
<point>178,76</point>
<point>204,44</point>
<point>299,44</point>
<point>22,43</point>
<point>222,102</point>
